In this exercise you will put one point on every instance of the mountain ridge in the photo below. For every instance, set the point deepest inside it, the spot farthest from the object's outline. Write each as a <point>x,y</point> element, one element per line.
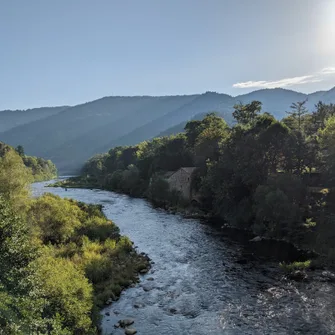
<point>69,135</point>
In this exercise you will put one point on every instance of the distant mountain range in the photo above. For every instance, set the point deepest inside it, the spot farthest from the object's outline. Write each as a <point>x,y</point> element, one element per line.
<point>69,135</point>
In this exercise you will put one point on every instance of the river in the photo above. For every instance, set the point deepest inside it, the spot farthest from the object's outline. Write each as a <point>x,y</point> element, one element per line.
<point>196,286</point>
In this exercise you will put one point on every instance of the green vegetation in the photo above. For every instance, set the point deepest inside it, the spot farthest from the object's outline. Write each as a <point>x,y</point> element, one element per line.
<point>71,136</point>
<point>289,268</point>
<point>272,177</point>
<point>41,169</point>
<point>60,259</point>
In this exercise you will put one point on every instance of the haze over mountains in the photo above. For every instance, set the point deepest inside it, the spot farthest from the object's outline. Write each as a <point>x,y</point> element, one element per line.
<point>70,135</point>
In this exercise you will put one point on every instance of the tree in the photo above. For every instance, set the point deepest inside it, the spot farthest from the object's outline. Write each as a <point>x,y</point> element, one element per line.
<point>246,114</point>
<point>278,206</point>
<point>54,219</point>
<point>214,131</point>
<point>327,141</point>
<point>19,149</point>
<point>65,292</point>
<point>14,180</point>
<point>298,110</point>
<point>299,149</point>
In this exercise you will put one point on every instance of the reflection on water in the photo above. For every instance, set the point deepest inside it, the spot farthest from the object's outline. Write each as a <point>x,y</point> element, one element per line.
<point>196,286</point>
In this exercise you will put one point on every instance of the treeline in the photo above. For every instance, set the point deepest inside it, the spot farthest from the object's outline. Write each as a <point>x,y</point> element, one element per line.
<point>272,177</point>
<point>60,260</point>
<point>40,168</point>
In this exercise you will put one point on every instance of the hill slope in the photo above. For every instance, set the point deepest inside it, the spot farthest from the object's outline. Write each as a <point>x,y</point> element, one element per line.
<point>70,135</point>
<point>10,119</point>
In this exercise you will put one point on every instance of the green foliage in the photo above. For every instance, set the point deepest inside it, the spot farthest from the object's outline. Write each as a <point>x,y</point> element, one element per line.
<point>41,169</point>
<point>20,150</point>
<point>65,291</point>
<point>277,211</point>
<point>160,193</point>
<point>54,219</point>
<point>257,175</point>
<point>14,180</point>
<point>291,267</point>
<point>246,114</point>
<point>327,140</point>
<point>59,259</point>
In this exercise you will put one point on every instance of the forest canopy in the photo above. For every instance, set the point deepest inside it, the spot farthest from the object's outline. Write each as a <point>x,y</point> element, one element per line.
<point>274,178</point>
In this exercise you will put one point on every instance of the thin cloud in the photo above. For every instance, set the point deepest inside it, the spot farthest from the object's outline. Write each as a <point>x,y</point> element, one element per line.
<point>287,82</point>
<point>328,70</point>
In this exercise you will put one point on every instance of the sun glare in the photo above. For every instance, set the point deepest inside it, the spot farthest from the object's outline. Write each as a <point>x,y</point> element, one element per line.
<point>330,20</point>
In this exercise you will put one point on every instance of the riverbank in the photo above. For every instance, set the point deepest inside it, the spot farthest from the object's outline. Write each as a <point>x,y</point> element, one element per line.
<point>259,245</point>
<point>205,279</point>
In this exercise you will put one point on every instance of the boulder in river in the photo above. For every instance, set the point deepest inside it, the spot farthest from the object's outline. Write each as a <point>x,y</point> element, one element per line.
<point>328,276</point>
<point>256,239</point>
<point>126,322</point>
<point>130,331</point>
<point>298,275</point>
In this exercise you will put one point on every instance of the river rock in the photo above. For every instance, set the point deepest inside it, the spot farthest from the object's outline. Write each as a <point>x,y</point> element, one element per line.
<point>298,275</point>
<point>150,278</point>
<point>256,239</point>
<point>107,313</point>
<point>130,331</point>
<point>143,271</point>
<point>117,325</point>
<point>146,288</point>
<point>328,276</point>
<point>126,322</point>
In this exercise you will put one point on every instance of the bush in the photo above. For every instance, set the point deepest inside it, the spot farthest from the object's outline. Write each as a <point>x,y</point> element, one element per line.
<point>55,219</point>
<point>65,291</point>
<point>291,267</point>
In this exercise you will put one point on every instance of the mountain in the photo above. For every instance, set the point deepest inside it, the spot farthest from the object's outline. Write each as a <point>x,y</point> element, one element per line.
<point>70,135</point>
<point>10,119</point>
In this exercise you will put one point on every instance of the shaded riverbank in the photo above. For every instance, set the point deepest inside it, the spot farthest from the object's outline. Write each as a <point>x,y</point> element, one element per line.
<point>199,286</point>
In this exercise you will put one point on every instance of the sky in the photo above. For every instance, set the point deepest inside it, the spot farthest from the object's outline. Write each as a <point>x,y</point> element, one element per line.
<point>65,52</point>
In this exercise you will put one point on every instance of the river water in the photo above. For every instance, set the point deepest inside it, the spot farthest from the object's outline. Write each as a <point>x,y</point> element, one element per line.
<point>197,286</point>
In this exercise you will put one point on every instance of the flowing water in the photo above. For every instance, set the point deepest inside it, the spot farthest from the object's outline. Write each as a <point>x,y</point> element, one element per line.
<point>197,284</point>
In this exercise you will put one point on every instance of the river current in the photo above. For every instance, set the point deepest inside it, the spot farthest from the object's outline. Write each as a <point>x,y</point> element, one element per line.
<point>197,284</point>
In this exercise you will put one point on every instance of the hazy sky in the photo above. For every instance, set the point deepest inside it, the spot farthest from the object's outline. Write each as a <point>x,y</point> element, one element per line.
<point>61,52</point>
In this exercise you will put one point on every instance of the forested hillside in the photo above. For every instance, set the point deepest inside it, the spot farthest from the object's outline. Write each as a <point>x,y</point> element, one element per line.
<point>41,169</point>
<point>275,178</point>
<point>69,136</point>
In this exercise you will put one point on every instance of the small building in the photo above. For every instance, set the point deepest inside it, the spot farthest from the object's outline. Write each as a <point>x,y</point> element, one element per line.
<point>181,180</point>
